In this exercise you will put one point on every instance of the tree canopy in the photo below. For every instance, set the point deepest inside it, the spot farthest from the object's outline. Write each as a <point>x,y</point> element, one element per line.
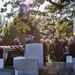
<point>56,20</point>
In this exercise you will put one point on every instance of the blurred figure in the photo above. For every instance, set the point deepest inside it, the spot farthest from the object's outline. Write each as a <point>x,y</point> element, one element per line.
<point>1,41</point>
<point>57,48</point>
<point>44,51</point>
<point>16,41</point>
<point>48,45</point>
<point>52,50</point>
<point>29,39</point>
<point>71,48</point>
<point>1,52</point>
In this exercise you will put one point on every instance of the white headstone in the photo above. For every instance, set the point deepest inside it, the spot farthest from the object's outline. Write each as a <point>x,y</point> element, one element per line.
<point>1,63</point>
<point>7,72</point>
<point>26,67</point>
<point>73,60</point>
<point>34,51</point>
<point>16,72</point>
<point>69,59</point>
<point>18,58</point>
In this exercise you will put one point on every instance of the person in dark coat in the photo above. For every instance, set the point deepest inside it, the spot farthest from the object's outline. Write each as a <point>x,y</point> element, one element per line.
<point>1,52</point>
<point>72,48</point>
<point>44,50</point>
<point>51,50</point>
<point>57,47</point>
<point>1,41</point>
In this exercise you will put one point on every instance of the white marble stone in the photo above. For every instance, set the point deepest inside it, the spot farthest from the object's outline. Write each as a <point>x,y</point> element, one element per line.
<point>1,63</point>
<point>69,59</point>
<point>18,58</point>
<point>26,67</point>
<point>34,51</point>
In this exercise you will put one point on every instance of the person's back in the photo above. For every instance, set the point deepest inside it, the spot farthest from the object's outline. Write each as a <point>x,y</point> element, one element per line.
<point>57,47</point>
<point>44,50</point>
<point>1,53</point>
<point>1,41</point>
<point>72,50</point>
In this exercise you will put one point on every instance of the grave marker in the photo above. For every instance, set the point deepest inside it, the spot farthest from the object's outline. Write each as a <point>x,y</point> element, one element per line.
<point>18,58</point>
<point>59,68</point>
<point>26,67</point>
<point>1,63</point>
<point>35,51</point>
<point>69,59</point>
<point>73,60</point>
<point>7,72</point>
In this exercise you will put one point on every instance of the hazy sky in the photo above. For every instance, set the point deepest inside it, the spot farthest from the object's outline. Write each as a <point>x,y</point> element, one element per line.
<point>1,3</point>
<point>41,7</point>
<point>9,7</point>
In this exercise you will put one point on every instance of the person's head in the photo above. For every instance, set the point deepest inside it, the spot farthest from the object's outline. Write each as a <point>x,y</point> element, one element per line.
<point>32,38</point>
<point>29,37</point>
<point>47,41</point>
<point>70,42</point>
<point>26,38</point>
<point>42,40</point>
<point>52,41</point>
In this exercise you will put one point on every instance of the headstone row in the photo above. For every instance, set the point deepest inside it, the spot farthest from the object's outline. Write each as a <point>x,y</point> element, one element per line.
<point>33,60</point>
<point>7,72</point>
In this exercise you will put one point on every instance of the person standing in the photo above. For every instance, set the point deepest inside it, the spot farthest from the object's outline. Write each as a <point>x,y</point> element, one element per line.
<point>1,41</point>
<point>29,39</point>
<point>44,50</point>
<point>17,41</point>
